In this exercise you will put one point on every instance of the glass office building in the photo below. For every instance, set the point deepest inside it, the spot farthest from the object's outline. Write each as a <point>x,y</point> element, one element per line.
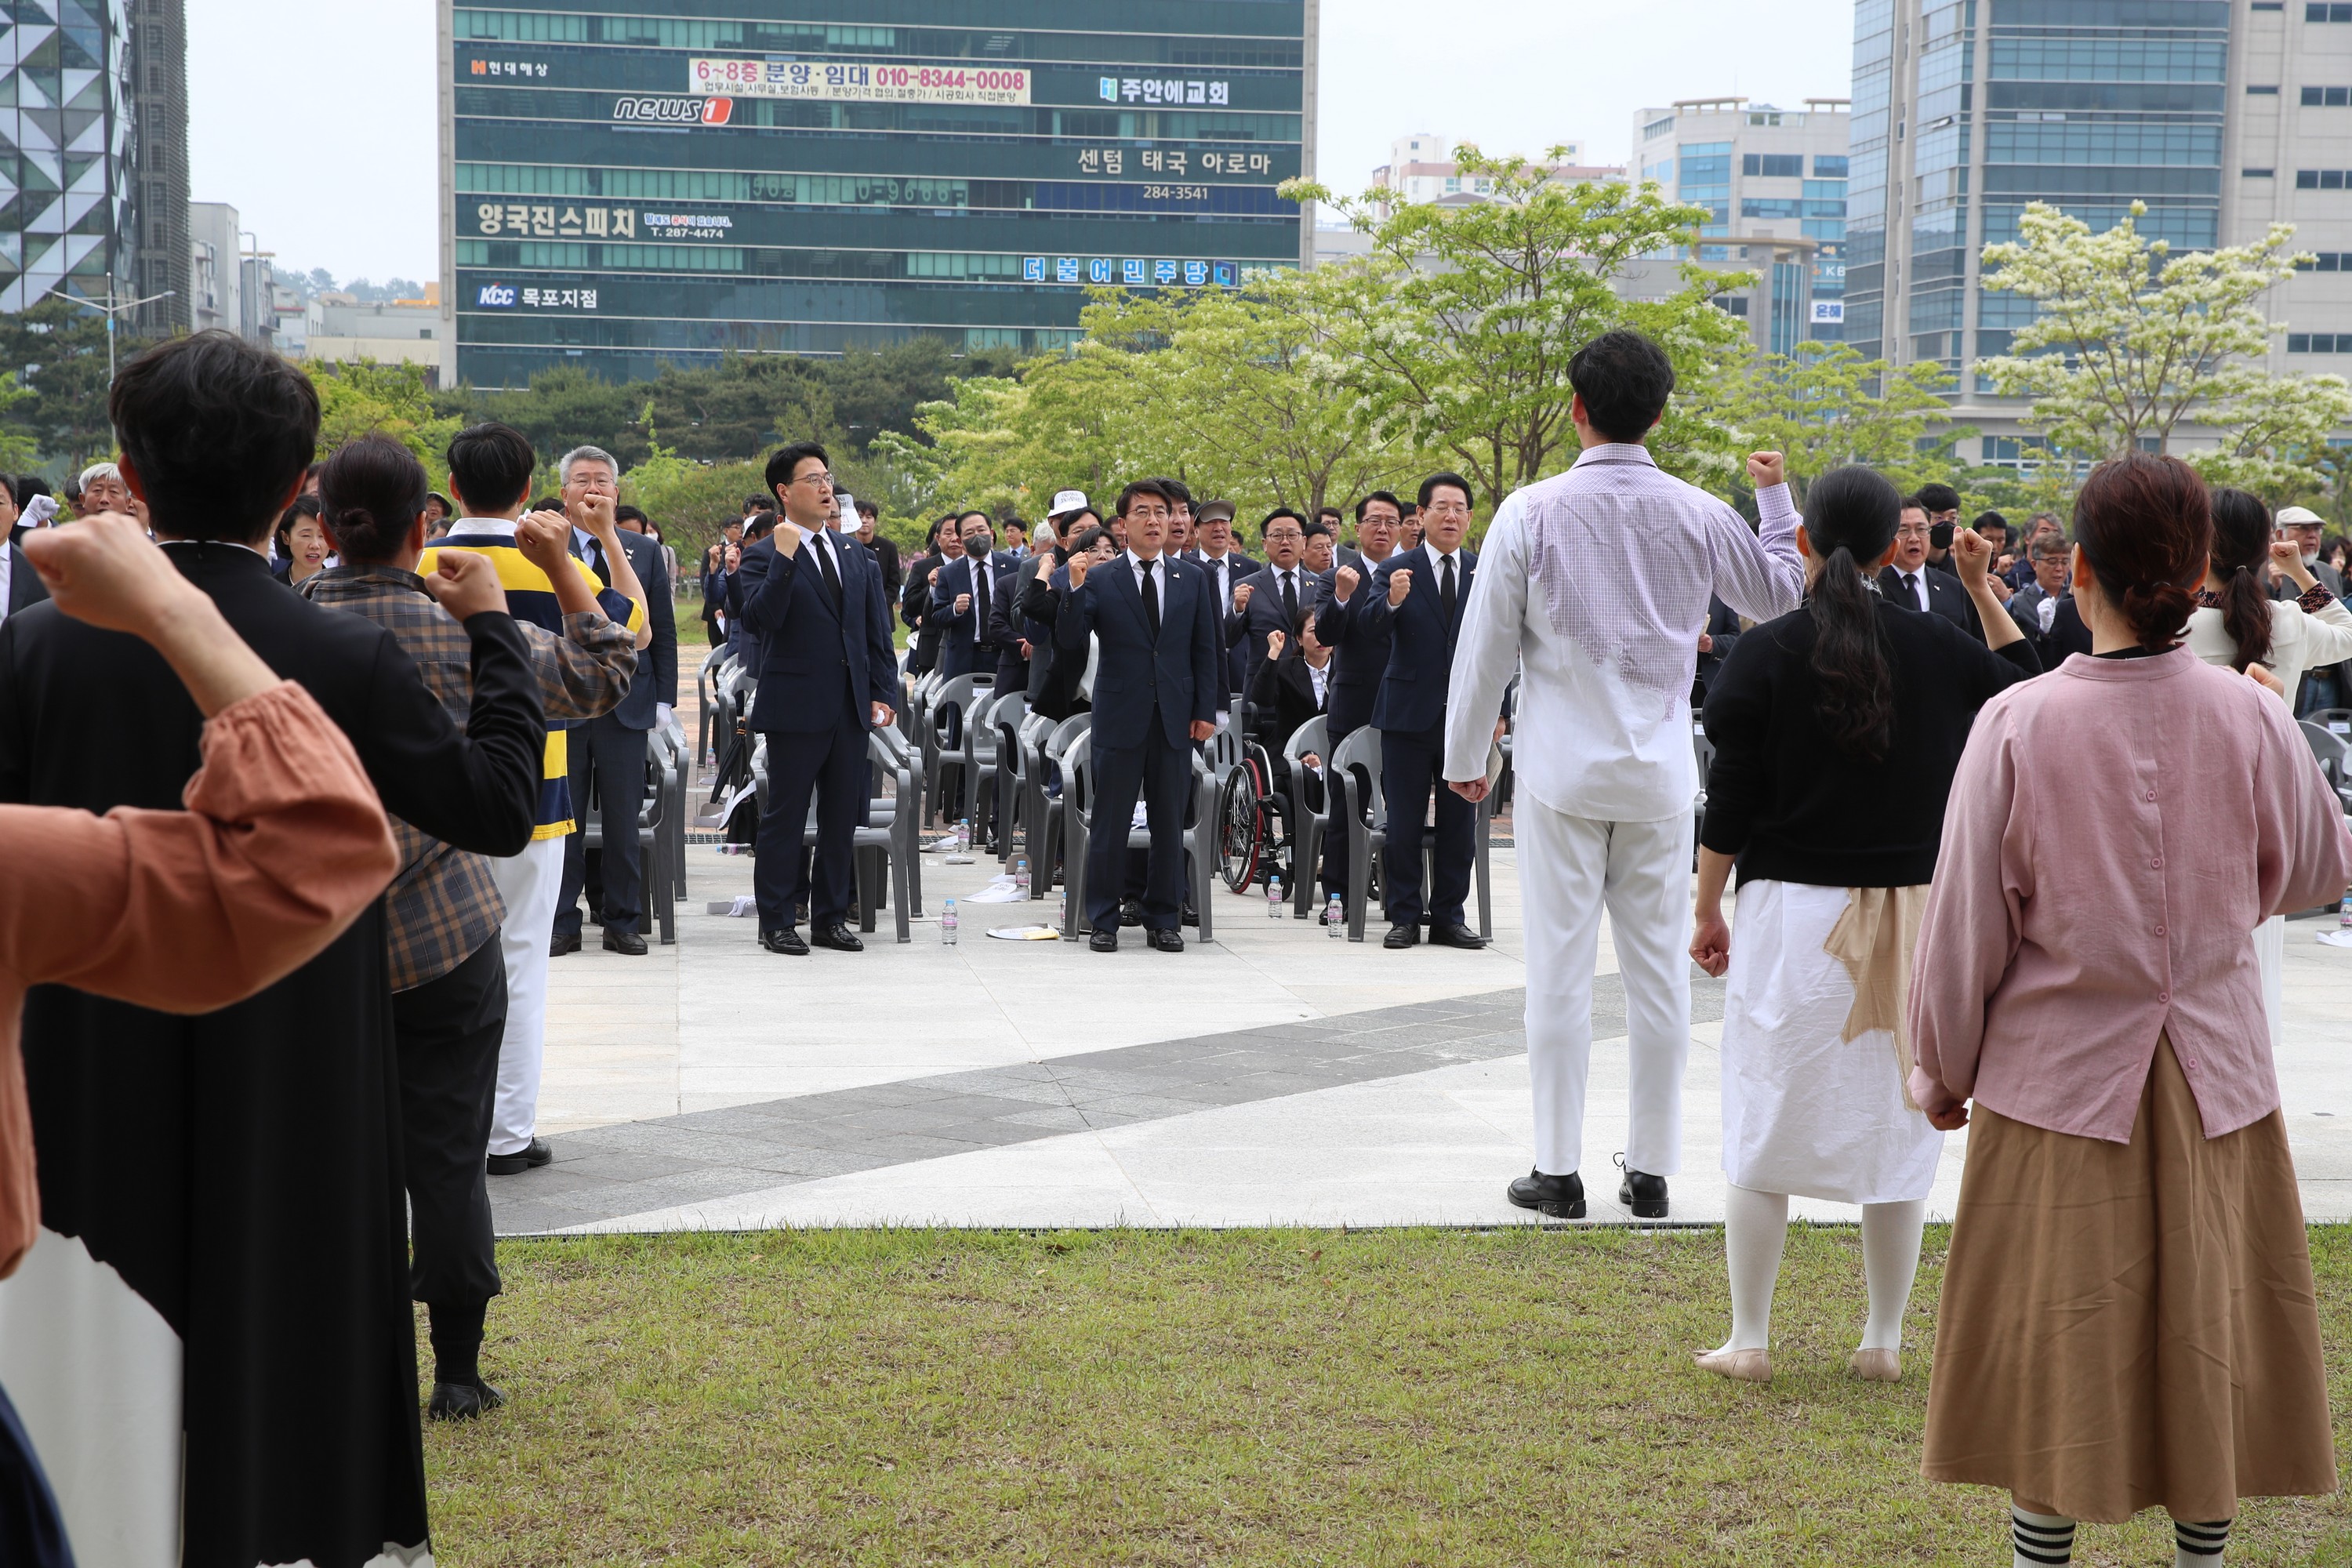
<point>636,182</point>
<point>67,216</point>
<point>1965,111</point>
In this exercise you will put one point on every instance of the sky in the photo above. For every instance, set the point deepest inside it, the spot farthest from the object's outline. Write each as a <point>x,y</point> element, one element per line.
<point>343,176</point>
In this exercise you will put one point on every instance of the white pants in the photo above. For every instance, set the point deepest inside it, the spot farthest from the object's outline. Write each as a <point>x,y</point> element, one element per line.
<point>529,883</point>
<point>1571,868</point>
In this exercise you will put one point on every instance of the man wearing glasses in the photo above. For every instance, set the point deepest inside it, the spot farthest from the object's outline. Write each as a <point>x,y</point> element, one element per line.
<point>827,672</point>
<point>1910,581</point>
<point>2324,688</point>
<point>1270,600</point>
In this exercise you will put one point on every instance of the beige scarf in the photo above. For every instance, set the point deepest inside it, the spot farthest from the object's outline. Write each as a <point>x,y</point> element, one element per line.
<point>1873,939</point>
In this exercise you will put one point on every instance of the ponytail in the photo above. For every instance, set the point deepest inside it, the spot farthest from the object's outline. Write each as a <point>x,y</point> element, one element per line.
<point>2242,543</point>
<point>1852,668</point>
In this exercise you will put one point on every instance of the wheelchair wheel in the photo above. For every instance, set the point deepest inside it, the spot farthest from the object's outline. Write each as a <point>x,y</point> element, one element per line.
<point>1241,827</point>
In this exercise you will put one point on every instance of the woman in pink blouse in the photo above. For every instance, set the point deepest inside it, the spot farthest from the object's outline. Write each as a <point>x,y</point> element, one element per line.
<point>2129,1318</point>
<point>282,844</point>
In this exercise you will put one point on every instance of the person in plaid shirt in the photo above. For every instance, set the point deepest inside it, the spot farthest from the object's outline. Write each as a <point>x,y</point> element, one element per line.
<point>442,912</point>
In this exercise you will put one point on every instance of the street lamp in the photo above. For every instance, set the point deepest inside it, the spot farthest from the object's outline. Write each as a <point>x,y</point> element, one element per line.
<point>110,309</point>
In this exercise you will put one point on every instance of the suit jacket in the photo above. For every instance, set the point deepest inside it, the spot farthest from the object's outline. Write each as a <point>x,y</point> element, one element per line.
<point>1249,629</point>
<point>656,678</point>
<point>1054,675</point>
<point>1411,697</point>
<point>1239,569</point>
<point>1282,696</point>
<point>202,1158</point>
<point>26,588</point>
<point>1723,626</point>
<point>1946,598</point>
<point>962,636</point>
<point>818,662</point>
<point>1360,654</point>
<point>1135,673</point>
<point>915,610</point>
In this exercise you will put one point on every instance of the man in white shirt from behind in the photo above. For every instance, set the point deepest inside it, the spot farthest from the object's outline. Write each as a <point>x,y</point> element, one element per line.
<point>1619,558</point>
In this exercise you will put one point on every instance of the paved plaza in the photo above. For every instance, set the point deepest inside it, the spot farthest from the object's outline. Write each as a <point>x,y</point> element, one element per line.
<point>1272,1077</point>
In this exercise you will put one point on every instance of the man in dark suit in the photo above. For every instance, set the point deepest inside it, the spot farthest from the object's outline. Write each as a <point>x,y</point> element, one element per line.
<point>1417,598</point>
<point>1215,551</point>
<point>1359,655</point>
<point>1913,582</point>
<point>612,746</point>
<point>1156,689</point>
<point>828,674</point>
<point>964,599</point>
<point>1270,599</point>
<point>239,1171</point>
<point>20,586</point>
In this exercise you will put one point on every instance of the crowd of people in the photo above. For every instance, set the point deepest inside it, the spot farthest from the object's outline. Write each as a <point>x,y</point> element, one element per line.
<point>2014,816</point>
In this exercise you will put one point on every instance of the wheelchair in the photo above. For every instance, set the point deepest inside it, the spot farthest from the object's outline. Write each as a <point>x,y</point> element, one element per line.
<point>1261,809</point>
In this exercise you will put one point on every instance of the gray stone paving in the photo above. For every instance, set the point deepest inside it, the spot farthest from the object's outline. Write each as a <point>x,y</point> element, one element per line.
<point>633,1167</point>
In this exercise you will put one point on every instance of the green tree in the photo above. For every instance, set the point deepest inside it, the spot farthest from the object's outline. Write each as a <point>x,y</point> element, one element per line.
<point>363,396</point>
<point>2131,342</point>
<point>58,350</point>
<point>1824,405</point>
<point>1459,328</point>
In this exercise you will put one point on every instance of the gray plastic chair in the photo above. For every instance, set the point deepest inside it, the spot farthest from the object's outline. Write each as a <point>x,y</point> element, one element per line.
<point>1307,827</point>
<point>1366,809</point>
<point>1077,815</point>
<point>1052,809</point>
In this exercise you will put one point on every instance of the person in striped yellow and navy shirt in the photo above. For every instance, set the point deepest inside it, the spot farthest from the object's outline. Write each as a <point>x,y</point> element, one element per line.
<point>490,475</point>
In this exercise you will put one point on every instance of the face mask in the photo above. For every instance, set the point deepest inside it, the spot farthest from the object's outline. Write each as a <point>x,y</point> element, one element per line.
<point>976,546</point>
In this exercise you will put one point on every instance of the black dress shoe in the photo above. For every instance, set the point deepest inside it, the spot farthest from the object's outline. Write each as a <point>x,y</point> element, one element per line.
<point>514,1164</point>
<point>1402,936</point>
<point>1106,941</point>
<point>626,942</point>
<point>1643,1193</point>
<point>1190,917</point>
<point>1168,940</point>
<point>563,944</point>
<point>1130,911</point>
<point>838,937</point>
<point>462,1401</point>
<point>1455,936</point>
<point>1562,1197</point>
<point>788,940</point>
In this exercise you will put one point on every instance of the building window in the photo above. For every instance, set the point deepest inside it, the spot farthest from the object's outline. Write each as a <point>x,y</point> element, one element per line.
<point>2257,174</point>
<point>2319,179</point>
<point>2270,4</point>
<point>2261,92</point>
<point>1732,304</point>
<point>1827,167</point>
<point>2326,261</point>
<point>1657,128</point>
<point>2333,12</point>
<point>2326,97</point>
<point>1773,165</point>
<point>2319,343</point>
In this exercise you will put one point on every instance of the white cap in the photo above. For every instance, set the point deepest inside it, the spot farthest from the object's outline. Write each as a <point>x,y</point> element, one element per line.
<point>2298,517</point>
<point>1065,502</point>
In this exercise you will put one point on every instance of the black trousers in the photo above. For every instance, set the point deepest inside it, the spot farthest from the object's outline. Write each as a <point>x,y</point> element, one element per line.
<point>447,1032</point>
<point>832,762</point>
<point>1162,774</point>
<point>1349,712</point>
<point>615,755</point>
<point>1411,767</point>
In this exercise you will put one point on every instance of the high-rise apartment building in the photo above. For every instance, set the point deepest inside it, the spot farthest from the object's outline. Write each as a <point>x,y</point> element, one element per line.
<point>1773,182</point>
<point>625,185</point>
<point>65,146</point>
<point>1421,168</point>
<point>162,259</point>
<point>2221,115</point>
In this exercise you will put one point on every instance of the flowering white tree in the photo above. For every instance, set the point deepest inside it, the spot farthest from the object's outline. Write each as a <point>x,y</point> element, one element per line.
<point>2131,342</point>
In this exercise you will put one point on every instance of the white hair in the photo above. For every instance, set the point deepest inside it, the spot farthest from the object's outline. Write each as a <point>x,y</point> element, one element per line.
<point>100,471</point>
<point>584,455</point>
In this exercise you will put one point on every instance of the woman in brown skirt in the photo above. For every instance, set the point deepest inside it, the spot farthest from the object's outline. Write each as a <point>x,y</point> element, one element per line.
<point>2128,1320</point>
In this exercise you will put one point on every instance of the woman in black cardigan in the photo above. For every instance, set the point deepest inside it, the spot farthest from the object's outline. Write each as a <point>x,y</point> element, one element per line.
<point>1836,731</point>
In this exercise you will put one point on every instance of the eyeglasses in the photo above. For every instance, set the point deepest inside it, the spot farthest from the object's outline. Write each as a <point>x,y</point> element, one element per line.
<point>1907,532</point>
<point>819,477</point>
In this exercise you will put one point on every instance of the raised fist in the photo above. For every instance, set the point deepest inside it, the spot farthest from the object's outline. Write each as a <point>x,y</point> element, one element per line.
<point>1078,564</point>
<point>1399,584</point>
<point>1242,599</point>
<point>1766,469</point>
<point>1344,585</point>
<point>962,604</point>
<point>1274,641</point>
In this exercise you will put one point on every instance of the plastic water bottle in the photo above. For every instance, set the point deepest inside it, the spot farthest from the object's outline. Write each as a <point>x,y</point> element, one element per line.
<point>1021,875</point>
<point>948,923</point>
<point>963,835</point>
<point>2344,911</point>
<point>1274,898</point>
<point>1062,915</point>
<point>1335,916</point>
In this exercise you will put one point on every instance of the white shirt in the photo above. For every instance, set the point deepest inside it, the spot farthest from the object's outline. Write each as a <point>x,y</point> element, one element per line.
<point>1320,674</point>
<point>1295,577</point>
<point>1437,559</point>
<point>1218,566</point>
<point>1620,558</point>
<point>7,571</point>
<point>1918,586</point>
<point>1159,572</point>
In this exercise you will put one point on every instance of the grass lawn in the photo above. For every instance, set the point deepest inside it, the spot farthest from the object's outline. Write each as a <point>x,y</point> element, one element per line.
<point>1382,1397</point>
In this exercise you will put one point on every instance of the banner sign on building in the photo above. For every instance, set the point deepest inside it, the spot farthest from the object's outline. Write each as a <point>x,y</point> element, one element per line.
<point>1828,312</point>
<point>858,81</point>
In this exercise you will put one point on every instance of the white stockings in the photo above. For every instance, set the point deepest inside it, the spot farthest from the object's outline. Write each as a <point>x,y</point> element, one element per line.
<point>1756,1232</point>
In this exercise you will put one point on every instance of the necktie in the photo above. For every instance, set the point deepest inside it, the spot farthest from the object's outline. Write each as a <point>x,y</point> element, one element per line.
<point>832,577</point>
<point>1290,603</point>
<point>1446,589</point>
<point>596,562</point>
<point>1152,599</point>
<point>979,598</point>
<point>1910,590</point>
